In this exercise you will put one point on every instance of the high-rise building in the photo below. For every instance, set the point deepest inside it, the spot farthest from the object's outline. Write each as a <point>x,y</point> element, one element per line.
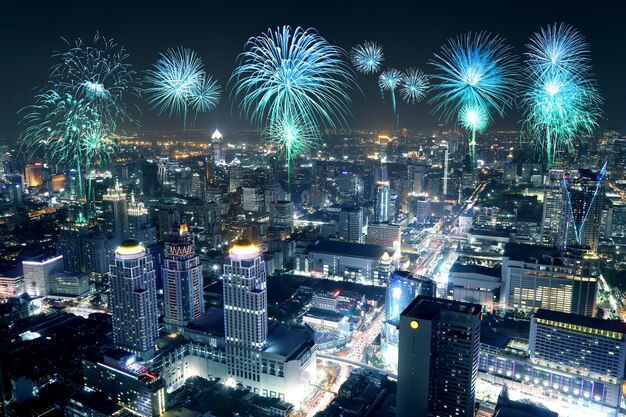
<point>139,226</point>
<point>438,358</point>
<point>213,223</point>
<point>351,224</point>
<point>99,251</point>
<point>37,272</point>
<point>416,176</point>
<point>381,205</point>
<point>72,246</point>
<point>281,216</point>
<point>245,303</point>
<point>553,199</point>
<point>216,147</point>
<point>536,277</point>
<point>150,179</point>
<point>133,300</point>
<point>579,221</point>
<point>235,172</point>
<point>11,283</point>
<point>384,234</point>
<point>115,213</point>
<point>34,174</point>
<point>182,280</point>
<point>578,344</point>
<point>245,310</point>
<point>167,216</point>
<point>252,199</point>
<point>68,284</point>
<point>402,288</point>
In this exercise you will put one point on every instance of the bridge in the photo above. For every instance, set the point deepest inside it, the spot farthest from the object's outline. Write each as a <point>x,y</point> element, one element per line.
<point>340,359</point>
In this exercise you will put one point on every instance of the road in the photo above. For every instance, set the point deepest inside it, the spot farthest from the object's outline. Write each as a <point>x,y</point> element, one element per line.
<point>361,340</point>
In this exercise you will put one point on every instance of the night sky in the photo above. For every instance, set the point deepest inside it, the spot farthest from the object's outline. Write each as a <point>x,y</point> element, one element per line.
<point>410,33</point>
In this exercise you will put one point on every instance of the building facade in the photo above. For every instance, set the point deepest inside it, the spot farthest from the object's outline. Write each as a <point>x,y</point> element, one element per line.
<point>438,358</point>
<point>182,280</point>
<point>37,272</point>
<point>133,300</point>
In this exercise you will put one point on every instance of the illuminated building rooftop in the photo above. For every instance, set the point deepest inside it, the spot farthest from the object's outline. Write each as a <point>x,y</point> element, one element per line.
<point>129,248</point>
<point>244,249</point>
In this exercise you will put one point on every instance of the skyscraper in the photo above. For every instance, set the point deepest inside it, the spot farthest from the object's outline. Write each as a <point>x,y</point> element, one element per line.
<point>381,206</point>
<point>579,222</point>
<point>133,300</point>
<point>281,216</point>
<point>216,147</point>
<point>438,358</point>
<point>72,246</point>
<point>139,226</point>
<point>182,280</point>
<point>37,272</point>
<point>402,288</point>
<point>115,208</point>
<point>351,224</point>
<point>553,198</point>
<point>245,310</point>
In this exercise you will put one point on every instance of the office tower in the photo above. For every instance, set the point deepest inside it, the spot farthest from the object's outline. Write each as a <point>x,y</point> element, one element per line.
<point>245,297</point>
<point>245,310</point>
<point>252,199</point>
<point>119,376</point>
<point>235,172</point>
<point>402,288</point>
<point>617,160</point>
<point>99,251</point>
<point>182,280</point>
<point>553,198</point>
<point>71,245</point>
<point>281,216</point>
<point>536,277</point>
<point>420,207</point>
<point>416,175</point>
<point>115,213</point>
<point>68,284</point>
<point>198,185</point>
<point>37,272</point>
<point>445,173</point>
<point>213,224</point>
<point>351,224</point>
<point>15,189</point>
<point>12,283</point>
<point>133,300</point>
<point>438,358</point>
<point>384,234</point>
<point>139,226</point>
<point>578,344</point>
<point>216,147</point>
<point>381,202</point>
<point>579,222</point>
<point>34,174</point>
<point>274,192</point>
<point>150,179</point>
<point>167,216</point>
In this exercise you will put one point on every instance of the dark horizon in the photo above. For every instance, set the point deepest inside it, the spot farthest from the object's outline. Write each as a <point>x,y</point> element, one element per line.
<point>409,34</point>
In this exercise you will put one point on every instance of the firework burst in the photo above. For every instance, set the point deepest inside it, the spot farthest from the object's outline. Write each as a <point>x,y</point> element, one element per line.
<point>178,82</point>
<point>561,101</point>
<point>390,80</point>
<point>74,118</point>
<point>476,70</point>
<point>415,85</point>
<point>367,57</point>
<point>287,72</point>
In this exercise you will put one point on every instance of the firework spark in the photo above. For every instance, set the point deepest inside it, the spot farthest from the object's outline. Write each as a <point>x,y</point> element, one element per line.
<point>415,85</point>
<point>367,57</point>
<point>390,80</point>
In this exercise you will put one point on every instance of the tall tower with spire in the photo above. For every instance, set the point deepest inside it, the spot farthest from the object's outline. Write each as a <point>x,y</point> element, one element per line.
<point>216,147</point>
